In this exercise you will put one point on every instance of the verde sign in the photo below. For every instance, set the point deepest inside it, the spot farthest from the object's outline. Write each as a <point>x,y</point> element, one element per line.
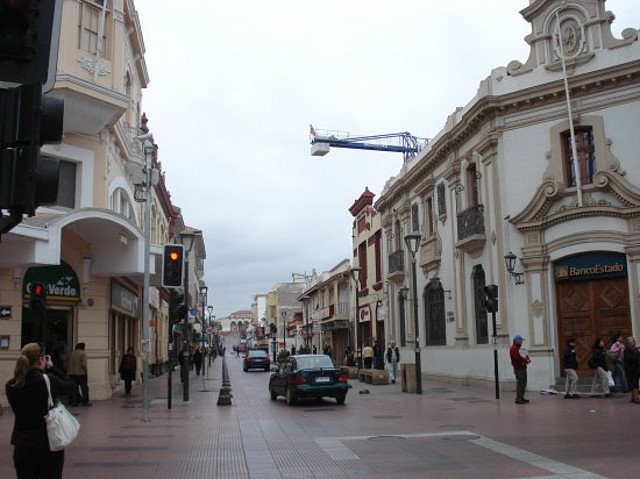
<point>60,282</point>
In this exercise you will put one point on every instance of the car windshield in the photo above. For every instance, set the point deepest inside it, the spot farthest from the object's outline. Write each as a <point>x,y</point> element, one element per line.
<point>257,353</point>
<point>314,362</point>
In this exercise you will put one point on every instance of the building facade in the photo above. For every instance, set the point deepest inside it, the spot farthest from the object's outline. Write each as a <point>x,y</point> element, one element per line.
<point>533,186</point>
<point>89,248</point>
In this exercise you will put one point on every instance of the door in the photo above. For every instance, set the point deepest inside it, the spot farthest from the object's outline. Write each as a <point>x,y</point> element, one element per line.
<point>51,328</point>
<point>590,309</point>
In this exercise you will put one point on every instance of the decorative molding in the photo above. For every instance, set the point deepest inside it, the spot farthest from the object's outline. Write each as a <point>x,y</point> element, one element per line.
<point>94,66</point>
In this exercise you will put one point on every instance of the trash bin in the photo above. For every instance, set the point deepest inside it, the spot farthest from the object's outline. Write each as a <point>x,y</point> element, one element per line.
<point>409,378</point>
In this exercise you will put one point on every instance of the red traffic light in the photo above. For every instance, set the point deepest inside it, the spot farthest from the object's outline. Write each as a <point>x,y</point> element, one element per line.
<point>38,290</point>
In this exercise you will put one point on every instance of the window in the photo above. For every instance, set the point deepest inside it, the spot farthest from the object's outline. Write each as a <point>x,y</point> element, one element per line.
<point>67,185</point>
<point>472,185</point>
<point>89,27</point>
<point>482,327</point>
<point>436,333</point>
<point>442,206</point>
<point>585,149</point>
<point>429,228</point>
<point>415,218</point>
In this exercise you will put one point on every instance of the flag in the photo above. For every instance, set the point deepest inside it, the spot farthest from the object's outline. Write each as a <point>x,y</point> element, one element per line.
<point>312,131</point>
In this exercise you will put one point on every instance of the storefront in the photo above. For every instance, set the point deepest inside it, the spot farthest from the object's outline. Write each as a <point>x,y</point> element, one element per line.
<point>55,325</point>
<point>123,325</point>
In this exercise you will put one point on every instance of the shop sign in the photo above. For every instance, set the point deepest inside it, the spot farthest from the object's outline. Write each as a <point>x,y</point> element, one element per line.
<point>591,266</point>
<point>365,314</point>
<point>61,282</point>
<point>124,300</point>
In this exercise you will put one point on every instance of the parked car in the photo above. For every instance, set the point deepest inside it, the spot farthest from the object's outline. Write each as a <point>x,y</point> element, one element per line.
<point>256,358</point>
<point>308,376</point>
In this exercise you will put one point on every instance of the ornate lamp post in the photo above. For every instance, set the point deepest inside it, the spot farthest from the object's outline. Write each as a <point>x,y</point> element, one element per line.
<point>187,238</point>
<point>203,296</point>
<point>413,243</point>
<point>213,347</point>
<point>355,274</point>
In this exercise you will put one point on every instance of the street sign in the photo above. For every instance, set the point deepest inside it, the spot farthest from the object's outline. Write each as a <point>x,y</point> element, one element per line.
<point>5,312</point>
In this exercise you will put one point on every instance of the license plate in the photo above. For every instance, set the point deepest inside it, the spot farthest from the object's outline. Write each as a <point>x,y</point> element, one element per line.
<point>323,379</point>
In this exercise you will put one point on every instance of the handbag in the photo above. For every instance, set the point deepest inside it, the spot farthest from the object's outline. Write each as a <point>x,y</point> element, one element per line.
<point>610,379</point>
<point>62,427</point>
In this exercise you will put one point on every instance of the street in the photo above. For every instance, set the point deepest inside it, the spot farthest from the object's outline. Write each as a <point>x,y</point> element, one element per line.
<point>449,431</point>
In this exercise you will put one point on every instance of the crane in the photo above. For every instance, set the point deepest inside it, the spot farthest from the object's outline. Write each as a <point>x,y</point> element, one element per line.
<point>406,143</point>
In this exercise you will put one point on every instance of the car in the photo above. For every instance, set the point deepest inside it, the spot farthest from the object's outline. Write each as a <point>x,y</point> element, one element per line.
<point>308,376</point>
<point>256,359</point>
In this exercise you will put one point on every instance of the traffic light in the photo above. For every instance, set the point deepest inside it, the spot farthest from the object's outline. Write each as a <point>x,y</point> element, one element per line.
<point>177,308</point>
<point>29,39</point>
<point>38,300</point>
<point>491,298</point>
<point>173,266</point>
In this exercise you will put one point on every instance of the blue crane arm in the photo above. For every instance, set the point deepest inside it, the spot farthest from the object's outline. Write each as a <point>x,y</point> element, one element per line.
<point>409,145</point>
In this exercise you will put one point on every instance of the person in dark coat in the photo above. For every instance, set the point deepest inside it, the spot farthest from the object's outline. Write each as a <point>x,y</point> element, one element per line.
<point>599,363</point>
<point>632,368</point>
<point>570,361</point>
<point>127,369</point>
<point>197,360</point>
<point>29,399</point>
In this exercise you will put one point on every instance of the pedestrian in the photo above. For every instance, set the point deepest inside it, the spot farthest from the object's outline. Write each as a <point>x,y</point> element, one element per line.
<point>599,363</point>
<point>617,355</point>
<point>393,358</point>
<point>367,356</point>
<point>197,360</point>
<point>29,399</point>
<point>314,350</point>
<point>127,369</point>
<point>293,350</point>
<point>632,368</point>
<point>326,349</point>
<point>519,361</point>
<point>78,372</point>
<point>570,370</point>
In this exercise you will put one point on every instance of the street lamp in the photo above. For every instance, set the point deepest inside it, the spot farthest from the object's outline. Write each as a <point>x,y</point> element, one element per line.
<point>284,329</point>
<point>187,238</point>
<point>211,345</point>
<point>203,296</point>
<point>355,274</point>
<point>413,243</point>
<point>148,182</point>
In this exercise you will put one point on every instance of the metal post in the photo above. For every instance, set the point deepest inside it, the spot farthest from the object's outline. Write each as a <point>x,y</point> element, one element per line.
<point>358,331</point>
<point>416,324</point>
<point>495,353</point>
<point>284,329</point>
<point>185,331</point>
<point>146,286</point>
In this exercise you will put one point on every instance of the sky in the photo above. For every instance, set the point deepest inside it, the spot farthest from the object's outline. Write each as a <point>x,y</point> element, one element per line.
<point>235,84</point>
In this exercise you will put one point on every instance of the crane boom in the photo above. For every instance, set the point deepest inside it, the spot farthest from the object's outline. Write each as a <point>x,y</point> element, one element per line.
<point>406,143</point>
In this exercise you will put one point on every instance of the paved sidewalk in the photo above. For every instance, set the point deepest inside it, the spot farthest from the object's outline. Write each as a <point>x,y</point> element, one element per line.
<point>447,432</point>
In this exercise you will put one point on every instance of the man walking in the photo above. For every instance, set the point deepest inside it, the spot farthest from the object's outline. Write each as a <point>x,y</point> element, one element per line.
<point>393,358</point>
<point>78,372</point>
<point>519,361</point>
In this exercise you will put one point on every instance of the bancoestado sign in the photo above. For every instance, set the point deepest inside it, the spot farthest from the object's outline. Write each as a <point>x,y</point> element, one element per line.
<point>591,266</point>
<point>60,282</point>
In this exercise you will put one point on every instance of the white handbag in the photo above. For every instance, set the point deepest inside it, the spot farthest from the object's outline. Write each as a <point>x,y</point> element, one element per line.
<point>62,427</point>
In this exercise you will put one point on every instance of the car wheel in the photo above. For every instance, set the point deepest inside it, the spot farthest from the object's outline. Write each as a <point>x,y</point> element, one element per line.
<point>274,395</point>
<point>291,397</point>
<point>245,369</point>
<point>340,399</point>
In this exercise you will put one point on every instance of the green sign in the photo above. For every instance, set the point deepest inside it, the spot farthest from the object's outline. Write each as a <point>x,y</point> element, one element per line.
<point>60,281</point>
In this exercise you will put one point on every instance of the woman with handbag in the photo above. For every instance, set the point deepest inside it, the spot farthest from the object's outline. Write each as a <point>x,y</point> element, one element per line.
<point>28,396</point>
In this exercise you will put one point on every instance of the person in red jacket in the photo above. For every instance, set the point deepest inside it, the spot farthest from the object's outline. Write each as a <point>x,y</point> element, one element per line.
<point>519,361</point>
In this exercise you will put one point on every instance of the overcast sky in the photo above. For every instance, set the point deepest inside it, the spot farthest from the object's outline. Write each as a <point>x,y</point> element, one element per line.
<point>234,85</point>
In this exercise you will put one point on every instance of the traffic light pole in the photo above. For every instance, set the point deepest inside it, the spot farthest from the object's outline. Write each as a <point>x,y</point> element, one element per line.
<point>495,354</point>
<point>146,287</point>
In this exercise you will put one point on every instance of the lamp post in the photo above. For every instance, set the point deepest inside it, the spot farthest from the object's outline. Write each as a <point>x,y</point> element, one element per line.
<point>203,296</point>
<point>413,243</point>
<point>148,180</point>
<point>355,274</point>
<point>211,346</point>
<point>187,238</point>
<point>284,329</point>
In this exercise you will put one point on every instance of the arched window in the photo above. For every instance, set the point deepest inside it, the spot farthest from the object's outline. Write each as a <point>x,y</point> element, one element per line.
<point>482,327</point>
<point>433,300</point>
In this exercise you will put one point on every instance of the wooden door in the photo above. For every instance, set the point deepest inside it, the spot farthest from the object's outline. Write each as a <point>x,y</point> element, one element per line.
<point>591,309</point>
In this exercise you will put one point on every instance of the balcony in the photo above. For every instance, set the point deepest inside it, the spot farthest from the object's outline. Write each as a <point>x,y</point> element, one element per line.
<point>396,266</point>
<point>430,253</point>
<point>471,235</point>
